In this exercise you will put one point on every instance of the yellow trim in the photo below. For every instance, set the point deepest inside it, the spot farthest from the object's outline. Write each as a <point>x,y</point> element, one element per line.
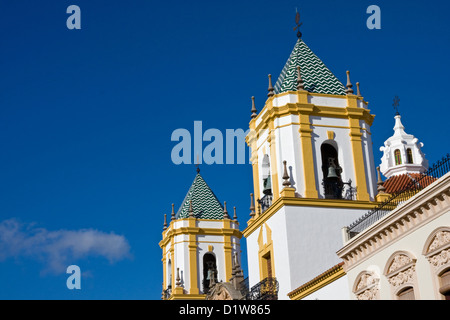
<point>273,162</point>
<point>265,249</point>
<point>304,202</point>
<point>187,296</point>
<point>227,248</point>
<point>330,135</point>
<point>191,230</point>
<point>227,231</point>
<point>186,241</point>
<point>164,260</point>
<point>193,268</point>
<point>307,153</point>
<point>321,281</point>
<point>252,143</point>
<point>382,197</point>
<point>355,134</point>
<point>320,111</point>
<point>337,127</point>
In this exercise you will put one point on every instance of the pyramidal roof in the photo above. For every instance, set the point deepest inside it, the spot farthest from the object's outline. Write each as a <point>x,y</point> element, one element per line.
<point>204,202</point>
<point>317,78</point>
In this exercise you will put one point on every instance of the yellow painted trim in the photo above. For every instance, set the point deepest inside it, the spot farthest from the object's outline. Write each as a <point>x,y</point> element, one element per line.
<point>337,127</point>
<point>172,259</point>
<point>304,202</point>
<point>307,153</point>
<point>227,248</point>
<point>273,162</point>
<point>164,261</point>
<point>264,250</point>
<point>186,241</point>
<point>316,284</point>
<point>382,197</point>
<point>320,111</point>
<point>193,268</point>
<point>357,149</point>
<point>187,296</point>
<point>199,231</point>
<point>287,125</point>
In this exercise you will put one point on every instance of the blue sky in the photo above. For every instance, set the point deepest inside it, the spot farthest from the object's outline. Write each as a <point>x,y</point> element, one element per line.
<point>86,118</point>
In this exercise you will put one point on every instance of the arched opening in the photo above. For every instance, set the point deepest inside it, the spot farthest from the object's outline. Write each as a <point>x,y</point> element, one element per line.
<point>409,156</point>
<point>209,271</point>
<point>266,200</point>
<point>444,280</point>
<point>331,171</point>
<point>398,157</point>
<point>267,183</point>
<point>406,294</point>
<point>169,274</point>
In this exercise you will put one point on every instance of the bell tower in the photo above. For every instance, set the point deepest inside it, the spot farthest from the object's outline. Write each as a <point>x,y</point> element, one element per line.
<point>313,170</point>
<point>198,244</point>
<point>402,152</point>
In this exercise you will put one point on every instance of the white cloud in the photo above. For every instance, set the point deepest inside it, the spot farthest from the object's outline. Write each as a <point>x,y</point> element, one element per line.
<point>58,249</point>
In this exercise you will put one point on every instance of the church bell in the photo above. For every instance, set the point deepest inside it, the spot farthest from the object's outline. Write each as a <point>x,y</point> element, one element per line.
<point>332,172</point>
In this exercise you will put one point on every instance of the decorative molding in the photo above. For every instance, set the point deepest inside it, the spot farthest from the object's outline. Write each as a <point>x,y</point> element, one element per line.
<point>367,286</point>
<point>440,239</point>
<point>403,277</point>
<point>277,204</point>
<point>440,259</point>
<point>429,204</point>
<point>318,282</point>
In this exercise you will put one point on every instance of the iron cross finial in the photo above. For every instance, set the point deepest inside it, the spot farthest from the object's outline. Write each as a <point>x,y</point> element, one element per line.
<point>198,164</point>
<point>396,104</point>
<point>298,23</point>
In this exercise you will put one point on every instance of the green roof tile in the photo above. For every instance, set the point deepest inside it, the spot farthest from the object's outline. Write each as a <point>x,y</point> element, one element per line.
<point>204,202</point>
<point>316,76</point>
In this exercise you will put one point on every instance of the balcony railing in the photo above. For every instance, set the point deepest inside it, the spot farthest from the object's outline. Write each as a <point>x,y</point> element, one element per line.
<point>416,185</point>
<point>167,293</point>
<point>336,189</point>
<point>265,202</point>
<point>267,289</point>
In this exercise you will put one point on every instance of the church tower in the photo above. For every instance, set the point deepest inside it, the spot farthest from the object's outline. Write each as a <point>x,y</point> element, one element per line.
<point>402,153</point>
<point>313,171</point>
<point>200,245</point>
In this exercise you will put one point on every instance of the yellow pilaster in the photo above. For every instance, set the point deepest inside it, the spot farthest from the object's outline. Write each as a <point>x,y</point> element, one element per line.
<point>273,161</point>
<point>193,268</point>
<point>172,259</point>
<point>227,248</point>
<point>307,149</point>
<point>164,263</point>
<point>354,115</point>
<point>252,143</point>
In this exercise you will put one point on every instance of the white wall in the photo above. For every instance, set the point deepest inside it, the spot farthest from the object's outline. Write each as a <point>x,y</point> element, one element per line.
<point>337,290</point>
<point>414,243</point>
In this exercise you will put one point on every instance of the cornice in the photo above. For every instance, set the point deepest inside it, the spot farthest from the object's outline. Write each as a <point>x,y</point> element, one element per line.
<point>430,203</point>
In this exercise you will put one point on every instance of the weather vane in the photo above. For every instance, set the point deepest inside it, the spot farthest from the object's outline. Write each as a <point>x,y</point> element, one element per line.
<point>298,23</point>
<point>396,104</point>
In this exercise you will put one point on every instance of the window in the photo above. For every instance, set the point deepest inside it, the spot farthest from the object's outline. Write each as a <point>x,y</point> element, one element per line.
<point>406,294</point>
<point>398,157</point>
<point>267,266</point>
<point>409,156</point>
<point>209,271</point>
<point>331,171</point>
<point>445,284</point>
<point>169,274</point>
<point>267,184</point>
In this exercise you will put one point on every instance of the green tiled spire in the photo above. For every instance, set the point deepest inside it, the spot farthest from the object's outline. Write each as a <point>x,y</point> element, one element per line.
<point>317,78</point>
<point>204,202</point>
